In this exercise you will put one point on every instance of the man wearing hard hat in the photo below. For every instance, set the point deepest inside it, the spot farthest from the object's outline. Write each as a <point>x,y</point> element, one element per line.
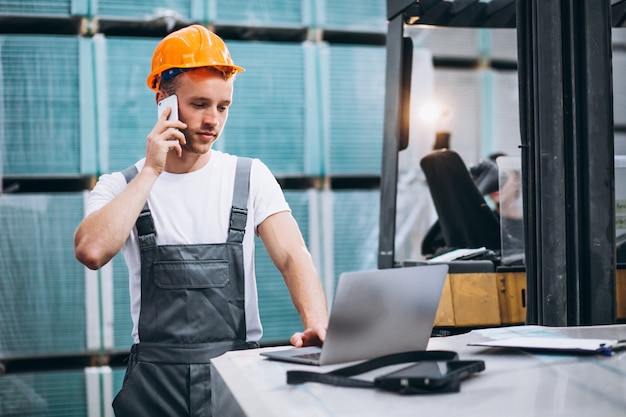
<point>185,217</point>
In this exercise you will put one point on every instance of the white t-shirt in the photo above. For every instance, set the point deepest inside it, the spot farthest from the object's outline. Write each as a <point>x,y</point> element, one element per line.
<point>194,208</point>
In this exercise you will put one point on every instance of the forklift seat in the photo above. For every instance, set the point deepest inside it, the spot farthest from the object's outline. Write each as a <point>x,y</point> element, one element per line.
<point>465,219</point>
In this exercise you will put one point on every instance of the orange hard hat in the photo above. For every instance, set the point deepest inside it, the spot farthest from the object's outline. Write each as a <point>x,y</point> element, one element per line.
<point>190,47</point>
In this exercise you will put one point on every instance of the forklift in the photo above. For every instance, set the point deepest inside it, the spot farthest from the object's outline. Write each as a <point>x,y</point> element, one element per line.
<point>571,275</point>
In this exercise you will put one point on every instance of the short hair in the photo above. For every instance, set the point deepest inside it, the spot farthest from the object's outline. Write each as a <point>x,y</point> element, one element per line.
<point>170,85</point>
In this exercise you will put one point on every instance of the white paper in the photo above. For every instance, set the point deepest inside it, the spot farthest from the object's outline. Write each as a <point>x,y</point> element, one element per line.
<point>551,343</point>
<point>455,254</point>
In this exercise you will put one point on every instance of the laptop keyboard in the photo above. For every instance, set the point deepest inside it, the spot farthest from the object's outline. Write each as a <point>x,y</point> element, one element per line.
<point>313,356</point>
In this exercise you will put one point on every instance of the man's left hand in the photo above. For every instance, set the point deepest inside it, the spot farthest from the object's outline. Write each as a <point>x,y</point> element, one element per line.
<point>310,337</point>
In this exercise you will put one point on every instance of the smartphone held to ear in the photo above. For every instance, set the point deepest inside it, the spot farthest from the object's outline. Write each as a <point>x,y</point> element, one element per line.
<point>171,102</point>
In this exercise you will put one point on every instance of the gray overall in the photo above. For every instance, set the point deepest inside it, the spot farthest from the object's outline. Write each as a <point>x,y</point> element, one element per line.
<point>192,310</point>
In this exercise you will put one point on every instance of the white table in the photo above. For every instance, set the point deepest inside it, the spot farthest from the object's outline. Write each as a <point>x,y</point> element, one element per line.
<point>514,383</point>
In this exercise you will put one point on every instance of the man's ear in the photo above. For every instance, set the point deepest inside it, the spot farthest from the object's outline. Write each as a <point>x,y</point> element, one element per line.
<point>160,95</point>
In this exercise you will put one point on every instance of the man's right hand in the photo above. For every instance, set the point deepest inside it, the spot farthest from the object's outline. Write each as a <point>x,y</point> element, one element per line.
<point>166,136</point>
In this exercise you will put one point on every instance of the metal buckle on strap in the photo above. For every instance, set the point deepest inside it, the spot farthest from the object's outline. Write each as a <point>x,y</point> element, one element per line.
<point>238,219</point>
<point>145,224</point>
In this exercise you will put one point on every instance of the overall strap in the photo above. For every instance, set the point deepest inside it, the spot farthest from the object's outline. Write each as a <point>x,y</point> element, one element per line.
<point>239,210</point>
<point>130,173</point>
<point>145,223</point>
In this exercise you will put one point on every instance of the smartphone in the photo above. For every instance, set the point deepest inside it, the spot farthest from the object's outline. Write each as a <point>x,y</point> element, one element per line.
<point>170,101</point>
<point>429,375</point>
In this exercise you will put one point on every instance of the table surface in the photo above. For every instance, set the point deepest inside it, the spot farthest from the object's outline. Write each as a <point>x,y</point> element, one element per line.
<point>514,383</point>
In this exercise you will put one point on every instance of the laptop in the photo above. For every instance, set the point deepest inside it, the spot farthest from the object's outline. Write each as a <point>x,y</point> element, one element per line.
<point>376,313</point>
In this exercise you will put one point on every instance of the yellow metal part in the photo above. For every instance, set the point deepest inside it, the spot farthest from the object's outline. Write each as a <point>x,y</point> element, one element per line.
<point>494,299</point>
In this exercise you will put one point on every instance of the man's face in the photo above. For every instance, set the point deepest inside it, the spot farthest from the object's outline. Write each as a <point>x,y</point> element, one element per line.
<point>204,97</point>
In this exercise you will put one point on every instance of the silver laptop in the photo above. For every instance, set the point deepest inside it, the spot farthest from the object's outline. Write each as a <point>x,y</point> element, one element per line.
<point>376,313</point>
